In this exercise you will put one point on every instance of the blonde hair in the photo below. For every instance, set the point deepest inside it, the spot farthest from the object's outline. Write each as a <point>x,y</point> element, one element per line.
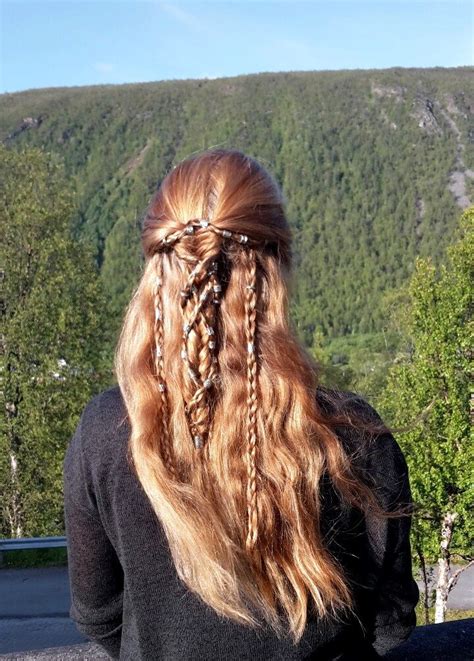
<point>227,437</point>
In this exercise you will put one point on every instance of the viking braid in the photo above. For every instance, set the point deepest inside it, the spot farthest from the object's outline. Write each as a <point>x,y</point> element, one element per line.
<point>201,378</point>
<point>250,332</point>
<point>201,373</point>
<point>159,364</point>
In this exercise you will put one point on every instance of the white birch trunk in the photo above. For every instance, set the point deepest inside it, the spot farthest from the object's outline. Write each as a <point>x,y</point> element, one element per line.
<point>13,509</point>
<point>442,583</point>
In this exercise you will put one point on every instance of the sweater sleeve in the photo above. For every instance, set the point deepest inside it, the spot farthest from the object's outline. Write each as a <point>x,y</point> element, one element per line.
<point>95,572</point>
<point>396,593</point>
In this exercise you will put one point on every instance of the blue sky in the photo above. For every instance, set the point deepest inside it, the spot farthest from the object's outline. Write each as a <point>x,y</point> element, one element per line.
<point>65,43</point>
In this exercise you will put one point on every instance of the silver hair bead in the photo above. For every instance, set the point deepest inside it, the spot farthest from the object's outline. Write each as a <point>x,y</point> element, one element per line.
<point>226,233</point>
<point>208,383</point>
<point>212,344</point>
<point>184,354</point>
<point>215,300</point>
<point>158,350</point>
<point>210,330</point>
<point>162,387</point>
<point>158,281</point>
<point>192,374</point>
<point>189,229</point>
<point>217,288</point>
<point>187,328</point>
<point>197,439</point>
<point>204,222</point>
<point>250,347</point>
<point>243,238</point>
<point>213,268</point>
<point>157,314</point>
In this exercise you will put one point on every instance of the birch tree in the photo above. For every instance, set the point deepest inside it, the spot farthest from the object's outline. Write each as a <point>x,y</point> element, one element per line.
<point>50,348</point>
<point>428,394</point>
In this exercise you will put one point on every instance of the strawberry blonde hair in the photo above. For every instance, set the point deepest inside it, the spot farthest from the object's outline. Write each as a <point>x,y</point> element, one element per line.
<point>227,437</point>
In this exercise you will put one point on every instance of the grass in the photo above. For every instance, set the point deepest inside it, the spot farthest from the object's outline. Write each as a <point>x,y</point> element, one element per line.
<point>451,614</point>
<point>55,557</point>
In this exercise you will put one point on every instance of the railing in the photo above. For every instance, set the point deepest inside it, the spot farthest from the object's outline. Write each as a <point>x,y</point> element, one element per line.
<point>21,543</point>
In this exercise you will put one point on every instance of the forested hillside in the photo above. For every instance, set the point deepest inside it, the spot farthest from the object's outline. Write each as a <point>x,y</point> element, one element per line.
<point>375,166</point>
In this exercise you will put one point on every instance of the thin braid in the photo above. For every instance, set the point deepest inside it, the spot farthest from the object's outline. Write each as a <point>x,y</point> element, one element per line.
<point>159,364</point>
<point>250,332</point>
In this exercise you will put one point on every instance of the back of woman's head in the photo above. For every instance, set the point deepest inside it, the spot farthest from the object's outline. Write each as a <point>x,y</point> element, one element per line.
<point>227,438</point>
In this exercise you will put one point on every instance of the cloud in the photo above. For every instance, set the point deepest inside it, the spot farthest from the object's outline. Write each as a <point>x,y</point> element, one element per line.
<point>103,67</point>
<point>183,17</point>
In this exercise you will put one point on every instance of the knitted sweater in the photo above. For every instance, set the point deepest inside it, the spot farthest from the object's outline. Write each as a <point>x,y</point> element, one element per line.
<point>127,597</point>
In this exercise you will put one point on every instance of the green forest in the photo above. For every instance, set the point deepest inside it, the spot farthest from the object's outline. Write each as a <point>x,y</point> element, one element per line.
<point>377,170</point>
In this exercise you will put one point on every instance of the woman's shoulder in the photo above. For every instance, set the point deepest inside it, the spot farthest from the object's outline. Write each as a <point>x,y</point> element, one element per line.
<point>377,451</point>
<point>104,409</point>
<point>102,423</point>
<point>345,402</point>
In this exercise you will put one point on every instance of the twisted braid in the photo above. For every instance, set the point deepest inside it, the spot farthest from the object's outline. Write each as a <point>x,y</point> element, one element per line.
<point>159,364</point>
<point>252,404</point>
<point>199,342</point>
<point>200,378</point>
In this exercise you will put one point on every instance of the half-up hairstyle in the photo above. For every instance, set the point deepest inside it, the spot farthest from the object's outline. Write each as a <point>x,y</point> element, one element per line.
<point>227,437</point>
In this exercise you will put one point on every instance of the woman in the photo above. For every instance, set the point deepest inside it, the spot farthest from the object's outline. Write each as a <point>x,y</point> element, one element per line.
<point>219,502</point>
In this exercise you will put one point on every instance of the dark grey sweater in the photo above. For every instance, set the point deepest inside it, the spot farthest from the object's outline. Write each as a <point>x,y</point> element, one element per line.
<point>127,597</point>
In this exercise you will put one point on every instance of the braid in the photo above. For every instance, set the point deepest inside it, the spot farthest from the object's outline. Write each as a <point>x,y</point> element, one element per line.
<point>201,365</point>
<point>199,342</point>
<point>159,365</point>
<point>250,332</point>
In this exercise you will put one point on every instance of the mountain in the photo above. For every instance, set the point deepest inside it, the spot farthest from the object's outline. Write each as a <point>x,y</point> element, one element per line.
<point>376,167</point>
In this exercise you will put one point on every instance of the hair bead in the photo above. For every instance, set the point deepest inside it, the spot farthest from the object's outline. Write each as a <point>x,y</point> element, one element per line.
<point>189,229</point>
<point>250,347</point>
<point>197,439</point>
<point>212,344</point>
<point>187,328</point>
<point>208,383</point>
<point>243,238</point>
<point>157,314</point>
<point>217,288</point>
<point>226,233</point>
<point>204,222</point>
<point>210,330</point>
<point>162,387</point>
<point>192,374</point>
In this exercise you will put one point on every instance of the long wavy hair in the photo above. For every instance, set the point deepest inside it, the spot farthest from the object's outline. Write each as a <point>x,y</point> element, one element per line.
<point>227,436</point>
